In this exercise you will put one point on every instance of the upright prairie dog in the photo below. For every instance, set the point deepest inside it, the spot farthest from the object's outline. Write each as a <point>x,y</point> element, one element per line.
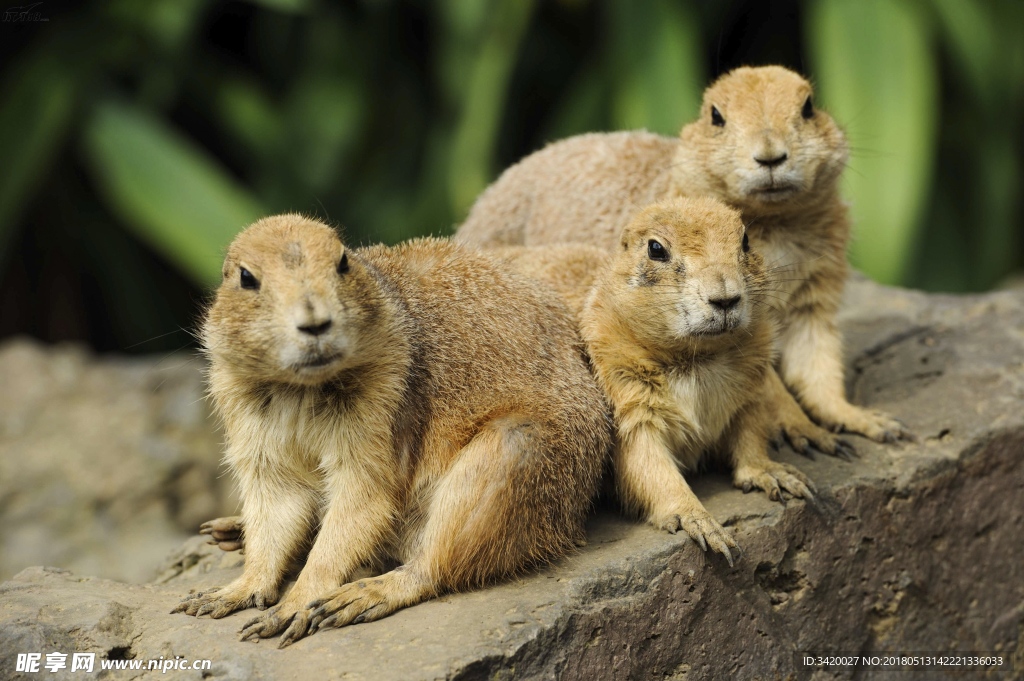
<point>760,146</point>
<point>680,338</point>
<point>381,399</point>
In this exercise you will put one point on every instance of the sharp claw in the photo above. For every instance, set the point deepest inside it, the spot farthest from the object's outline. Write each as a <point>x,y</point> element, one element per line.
<point>808,451</point>
<point>747,487</point>
<point>204,609</point>
<point>888,438</point>
<point>703,544</point>
<point>728,556</point>
<point>775,495</point>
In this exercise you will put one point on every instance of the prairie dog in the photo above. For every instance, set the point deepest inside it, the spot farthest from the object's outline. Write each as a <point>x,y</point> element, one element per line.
<point>680,339</point>
<point>381,400</point>
<point>760,146</point>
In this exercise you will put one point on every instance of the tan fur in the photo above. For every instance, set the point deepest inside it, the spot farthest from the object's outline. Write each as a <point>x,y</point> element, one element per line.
<point>588,188</point>
<point>684,378</point>
<point>416,427</point>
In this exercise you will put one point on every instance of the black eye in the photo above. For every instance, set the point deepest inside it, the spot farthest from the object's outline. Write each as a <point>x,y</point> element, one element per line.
<point>343,264</point>
<point>716,117</point>
<point>655,251</point>
<point>247,280</point>
<point>746,243</point>
<point>808,109</point>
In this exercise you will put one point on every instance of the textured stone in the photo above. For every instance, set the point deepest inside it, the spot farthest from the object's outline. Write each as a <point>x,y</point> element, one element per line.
<point>108,463</point>
<point>911,549</point>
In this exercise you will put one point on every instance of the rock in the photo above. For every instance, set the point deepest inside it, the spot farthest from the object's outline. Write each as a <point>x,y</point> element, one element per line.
<point>108,463</point>
<point>908,549</point>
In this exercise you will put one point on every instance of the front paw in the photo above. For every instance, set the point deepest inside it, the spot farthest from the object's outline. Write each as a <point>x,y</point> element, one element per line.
<point>774,478</point>
<point>702,528</point>
<point>363,601</point>
<point>879,427</point>
<point>219,603</point>
<point>806,438</point>
<point>287,617</point>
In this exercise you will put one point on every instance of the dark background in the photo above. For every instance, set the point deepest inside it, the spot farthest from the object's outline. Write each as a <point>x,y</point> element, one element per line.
<point>136,137</point>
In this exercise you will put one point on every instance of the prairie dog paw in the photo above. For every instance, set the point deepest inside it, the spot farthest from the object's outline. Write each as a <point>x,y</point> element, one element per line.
<point>288,617</point>
<point>805,437</point>
<point>225,533</point>
<point>703,530</point>
<point>774,478</point>
<point>356,602</point>
<point>873,425</point>
<point>219,602</point>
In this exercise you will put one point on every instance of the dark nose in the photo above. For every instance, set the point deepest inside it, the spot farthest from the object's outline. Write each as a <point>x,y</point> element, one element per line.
<point>316,329</point>
<point>772,162</point>
<point>725,304</point>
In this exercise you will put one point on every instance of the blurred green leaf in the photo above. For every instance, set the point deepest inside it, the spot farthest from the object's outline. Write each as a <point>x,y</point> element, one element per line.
<point>37,102</point>
<point>469,169</point>
<point>657,65</point>
<point>325,113</point>
<point>878,77</point>
<point>169,192</point>
<point>971,33</point>
<point>248,114</point>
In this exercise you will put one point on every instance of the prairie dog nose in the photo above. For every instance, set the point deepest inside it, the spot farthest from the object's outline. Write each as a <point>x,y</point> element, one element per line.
<point>725,303</point>
<point>771,160</point>
<point>315,328</point>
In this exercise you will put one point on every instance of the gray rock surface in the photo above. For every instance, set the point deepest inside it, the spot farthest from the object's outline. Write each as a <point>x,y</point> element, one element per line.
<point>910,549</point>
<point>108,463</point>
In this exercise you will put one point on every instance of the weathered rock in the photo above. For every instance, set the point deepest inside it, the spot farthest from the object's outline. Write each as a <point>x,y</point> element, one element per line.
<point>108,463</point>
<point>910,549</point>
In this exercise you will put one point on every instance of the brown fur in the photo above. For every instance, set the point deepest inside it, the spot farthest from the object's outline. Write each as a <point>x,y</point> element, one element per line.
<point>415,427</point>
<point>588,188</point>
<point>684,377</point>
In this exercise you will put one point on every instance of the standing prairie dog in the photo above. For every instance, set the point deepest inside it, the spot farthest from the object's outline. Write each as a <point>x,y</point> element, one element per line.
<point>680,339</point>
<point>381,400</point>
<point>760,146</point>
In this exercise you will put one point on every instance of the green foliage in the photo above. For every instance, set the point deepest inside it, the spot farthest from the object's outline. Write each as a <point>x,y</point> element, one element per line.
<point>874,62</point>
<point>390,116</point>
<point>168,191</point>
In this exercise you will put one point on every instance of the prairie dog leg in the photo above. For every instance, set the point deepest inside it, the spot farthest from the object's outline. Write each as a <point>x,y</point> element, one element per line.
<point>649,483</point>
<point>748,441</point>
<point>803,435</point>
<point>225,533</point>
<point>812,365</point>
<point>277,519</point>
<point>480,525</point>
<point>359,517</point>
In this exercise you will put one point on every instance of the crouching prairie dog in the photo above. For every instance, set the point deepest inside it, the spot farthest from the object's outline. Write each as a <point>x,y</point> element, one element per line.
<point>382,401</point>
<point>761,146</point>
<point>679,336</point>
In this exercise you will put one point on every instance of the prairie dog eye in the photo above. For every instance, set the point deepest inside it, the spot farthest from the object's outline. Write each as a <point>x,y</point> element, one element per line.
<point>746,243</point>
<point>247,280</point>
<point>343,264</point>
<point>716,117</point>
<point>655,251</point>
<point>808,110</point>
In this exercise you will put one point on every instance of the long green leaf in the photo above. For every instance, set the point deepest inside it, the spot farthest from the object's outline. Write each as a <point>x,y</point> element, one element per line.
<point>168,191</point>
<point>877,74</point>
<point>657,64</point>
<point>35,114</point>
<point>469,168</point>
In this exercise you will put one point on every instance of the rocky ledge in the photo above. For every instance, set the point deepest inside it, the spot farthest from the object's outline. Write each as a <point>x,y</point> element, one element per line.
<point>909,549</point>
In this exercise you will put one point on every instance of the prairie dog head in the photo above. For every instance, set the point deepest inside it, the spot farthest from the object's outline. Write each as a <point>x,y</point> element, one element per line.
<point>294,305</point>
<point>684,272</point>
<point>762,143</point>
